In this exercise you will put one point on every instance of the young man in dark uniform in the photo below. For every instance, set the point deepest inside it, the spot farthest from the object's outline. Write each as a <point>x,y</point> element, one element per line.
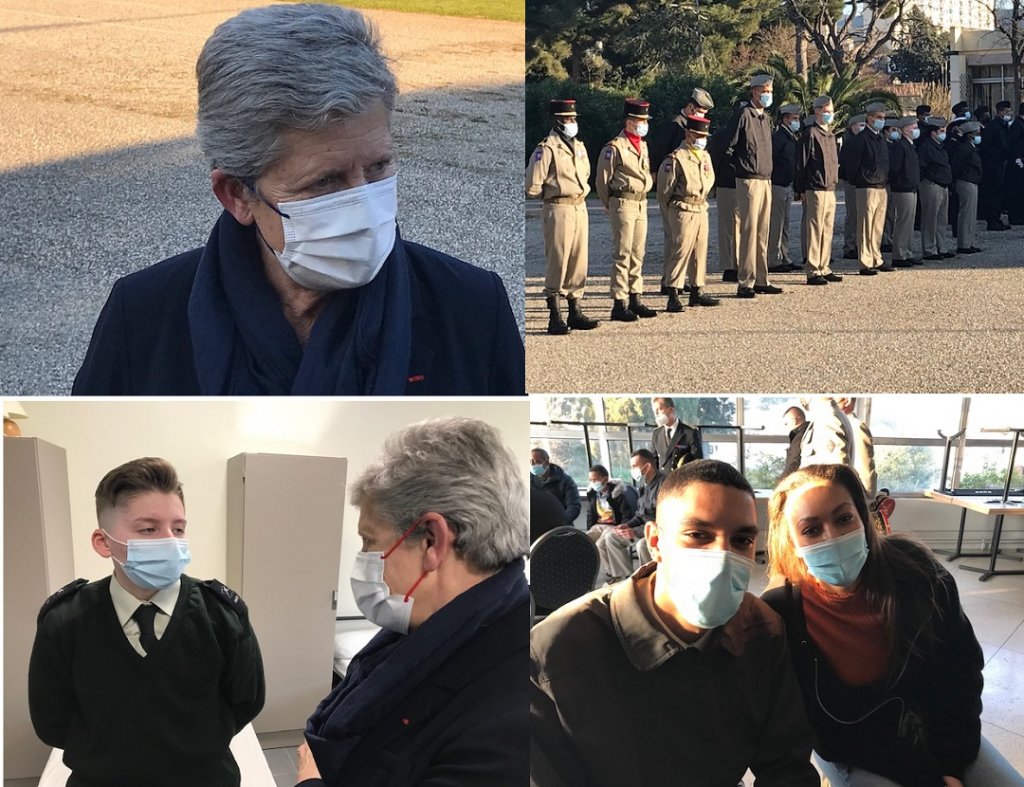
<point>867,163</point>
<point>933,190</point>
<point>817,172</point>
<point>784,143</point>
<point>967,168</point>
<point>904,179</point>
<point>144,678</point>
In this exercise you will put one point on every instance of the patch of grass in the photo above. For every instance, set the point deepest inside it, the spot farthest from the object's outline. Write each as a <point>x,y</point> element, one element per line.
<point>481,9</point>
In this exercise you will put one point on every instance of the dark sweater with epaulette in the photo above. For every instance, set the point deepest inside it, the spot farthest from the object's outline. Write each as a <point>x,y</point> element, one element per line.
<point>165,719</point>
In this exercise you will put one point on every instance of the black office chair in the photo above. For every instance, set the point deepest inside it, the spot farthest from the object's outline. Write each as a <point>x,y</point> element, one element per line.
<point>563,566</point>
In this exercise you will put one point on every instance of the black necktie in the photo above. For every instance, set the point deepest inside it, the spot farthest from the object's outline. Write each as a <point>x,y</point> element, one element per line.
<point>144,616</point>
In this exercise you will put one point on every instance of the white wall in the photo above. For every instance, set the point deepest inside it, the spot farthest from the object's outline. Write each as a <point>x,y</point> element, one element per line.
<point>198,437</point>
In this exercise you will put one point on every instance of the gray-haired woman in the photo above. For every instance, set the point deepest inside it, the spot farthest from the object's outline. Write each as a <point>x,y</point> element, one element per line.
<point>439,695</point>
<point>305,285</point>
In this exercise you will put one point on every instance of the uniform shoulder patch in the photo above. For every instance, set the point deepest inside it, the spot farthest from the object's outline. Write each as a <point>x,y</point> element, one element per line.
<point>609,152</point>
<point>226,595</point>
<point>538,154</point>
<point>65,592</point>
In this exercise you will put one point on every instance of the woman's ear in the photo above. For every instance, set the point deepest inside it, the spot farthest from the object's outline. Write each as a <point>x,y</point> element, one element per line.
<point>233,195</point>
<point>439,538</point>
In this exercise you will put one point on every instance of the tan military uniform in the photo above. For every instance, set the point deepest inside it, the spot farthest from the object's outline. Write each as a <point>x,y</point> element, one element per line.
<point>623,180</point>
<point>559,173</point>
<point>684,181</point>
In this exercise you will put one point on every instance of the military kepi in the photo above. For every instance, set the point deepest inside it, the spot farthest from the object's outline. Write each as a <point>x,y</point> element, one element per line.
<point>698,125</point>
<point>563,107</point>
<point>637,109</point>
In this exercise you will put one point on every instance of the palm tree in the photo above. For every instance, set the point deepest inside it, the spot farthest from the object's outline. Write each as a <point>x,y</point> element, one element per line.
<point>850,94</point>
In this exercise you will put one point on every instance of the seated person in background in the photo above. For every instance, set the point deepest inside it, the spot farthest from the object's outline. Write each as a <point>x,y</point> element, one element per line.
<point>609,502</point>
<point>680,649</point>
<point>546,513</point>
<point>559,483</point>
<point>437,696</point>
<point>305,285</point>
<point>614,543</point>
<point>886,659</point>
<point>144,678</point>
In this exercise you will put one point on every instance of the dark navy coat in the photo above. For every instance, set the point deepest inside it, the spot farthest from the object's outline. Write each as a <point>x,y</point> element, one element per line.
<point>465,341</point>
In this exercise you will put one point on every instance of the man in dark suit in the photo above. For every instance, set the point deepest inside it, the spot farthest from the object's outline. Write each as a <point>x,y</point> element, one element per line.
<point>673,442</point>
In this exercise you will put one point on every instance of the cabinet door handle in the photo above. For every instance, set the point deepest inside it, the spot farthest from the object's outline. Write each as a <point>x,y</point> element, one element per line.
<point>334,599</point>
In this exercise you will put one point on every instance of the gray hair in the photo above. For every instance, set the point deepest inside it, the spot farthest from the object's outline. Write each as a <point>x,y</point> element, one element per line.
<point>283,67</point>
<point>459,468</point>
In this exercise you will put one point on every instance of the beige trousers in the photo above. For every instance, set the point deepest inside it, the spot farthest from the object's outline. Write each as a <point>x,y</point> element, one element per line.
<point>934,206</point>
<point>967,221</point>
<point>819,218</point>
<point>904,206</point>
<point>870,220</point>
<point>728,228</point>
<point>566,230</point>
<point>688,241</point>
<point>629,241</point>
<point>778,228</point>
<point>753,203</point>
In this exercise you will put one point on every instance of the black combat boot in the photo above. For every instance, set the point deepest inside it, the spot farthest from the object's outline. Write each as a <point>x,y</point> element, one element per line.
<point>556,325</point>
<point>674,304</point>
<point>577,319</point>
<point>697,298</point>
<point>621,313</point>
<point>638,308</point>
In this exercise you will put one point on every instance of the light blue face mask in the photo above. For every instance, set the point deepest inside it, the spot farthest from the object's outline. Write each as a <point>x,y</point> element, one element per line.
<point>597,486</point>
<point>154,563</point>
<point>827,117</point>
<point>915,133</point>
<point>941,136</point>
<point>706,585</point>
<point>977,139</point>
<point>894,135</point>
<point>766,100</point>
<point>837,561</point>
<point>794,126</point>
<point>878,124</point>
<point>700,143</point>
<point>537,469</point>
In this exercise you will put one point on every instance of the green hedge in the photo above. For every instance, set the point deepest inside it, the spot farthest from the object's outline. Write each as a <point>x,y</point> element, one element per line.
<point>600,109</point>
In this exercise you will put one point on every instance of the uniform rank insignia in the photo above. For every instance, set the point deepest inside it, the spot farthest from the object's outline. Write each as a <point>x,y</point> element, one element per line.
<point>608,153</point>
<point>226,595</point>
<point>69,589</point>
<point>538,155</point>
<point>668,166</point>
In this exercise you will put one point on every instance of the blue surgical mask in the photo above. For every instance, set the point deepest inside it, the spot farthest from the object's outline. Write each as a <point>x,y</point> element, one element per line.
<point>1006,118</point>
<point>967,115</point>
<point>827,117</point>
<point>977,139</point>
<point>915,133</point>
<point>878,124</point>
<point>794,126</point>
<point>537,469</point>
<point>837,561</point>
<point>894,135</point>
<point>596,486</point>
<point>154,563</point>
<point>941,136</point>
<point>766,100</point>
<point>706,585</point>
<point>700,143</point>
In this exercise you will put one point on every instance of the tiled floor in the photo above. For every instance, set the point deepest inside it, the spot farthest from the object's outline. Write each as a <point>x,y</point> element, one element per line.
<point>283,765</point>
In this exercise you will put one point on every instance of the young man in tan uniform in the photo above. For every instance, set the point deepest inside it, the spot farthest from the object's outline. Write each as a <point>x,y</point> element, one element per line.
<point>558,172</point>
<point>817,171</point>
<point>684,181</point>
<point>623,180</point>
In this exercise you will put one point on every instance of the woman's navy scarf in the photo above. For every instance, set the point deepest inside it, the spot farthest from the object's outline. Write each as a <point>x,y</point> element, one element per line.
<point>392,665</point>
<point>243,345</point>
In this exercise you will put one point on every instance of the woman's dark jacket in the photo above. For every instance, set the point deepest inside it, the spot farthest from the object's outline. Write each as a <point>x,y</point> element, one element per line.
<point>914,728</point>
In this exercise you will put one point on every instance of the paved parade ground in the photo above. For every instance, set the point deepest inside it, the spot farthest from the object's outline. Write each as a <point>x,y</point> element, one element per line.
<point>100,174</point>
<point>945,326</point>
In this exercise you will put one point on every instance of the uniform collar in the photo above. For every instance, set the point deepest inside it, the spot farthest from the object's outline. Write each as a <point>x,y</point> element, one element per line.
<point>125,603</point>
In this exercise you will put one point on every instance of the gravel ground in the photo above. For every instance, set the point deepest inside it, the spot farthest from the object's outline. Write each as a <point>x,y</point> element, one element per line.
<point>952,326</point>
<point>100,174</point>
